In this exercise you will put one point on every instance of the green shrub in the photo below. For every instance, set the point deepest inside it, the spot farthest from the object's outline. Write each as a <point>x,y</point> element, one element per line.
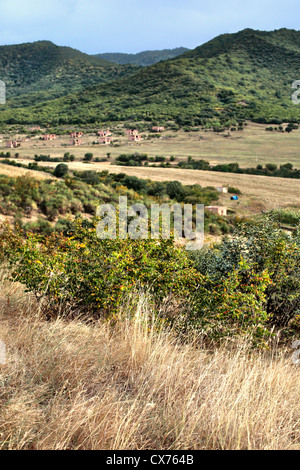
<point>266,250</point>
<point>61,170</point>
<point>88,157</point>
<point>233,190</point>
<point>41,226</point>
<point>83,271</point>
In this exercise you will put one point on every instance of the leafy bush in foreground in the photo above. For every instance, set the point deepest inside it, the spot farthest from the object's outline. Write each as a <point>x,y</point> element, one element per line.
<point>249,285</point>
<point>267,251</point>
<point>83,271</point>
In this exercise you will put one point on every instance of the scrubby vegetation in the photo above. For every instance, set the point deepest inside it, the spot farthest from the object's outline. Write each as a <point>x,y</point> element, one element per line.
<point>57,202</point>
<point>25,195</point>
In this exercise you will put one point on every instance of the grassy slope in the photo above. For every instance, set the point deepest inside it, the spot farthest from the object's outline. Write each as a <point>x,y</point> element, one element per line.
<point>15,172</point>
<point>243,75</point>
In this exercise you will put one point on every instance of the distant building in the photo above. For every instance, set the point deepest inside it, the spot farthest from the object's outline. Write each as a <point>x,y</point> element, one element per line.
<point>132,132</point>
<point>133,135</point>
<point>220,210</point>
<point>105,140</point>
<point>76,135</point>
<point>49,137</point>
<point>75,141</point>
<point>135,138</point>
<point>104,133</point>
<point>13,144</point>
<point>221,189</point>
<point>158,128</point>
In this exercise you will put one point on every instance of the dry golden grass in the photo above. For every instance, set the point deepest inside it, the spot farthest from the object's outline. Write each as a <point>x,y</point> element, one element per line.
<point>71,385</point>
<point>15,171</point>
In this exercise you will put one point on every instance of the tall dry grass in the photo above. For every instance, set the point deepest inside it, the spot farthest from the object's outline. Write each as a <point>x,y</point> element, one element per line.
<point>71,385</point>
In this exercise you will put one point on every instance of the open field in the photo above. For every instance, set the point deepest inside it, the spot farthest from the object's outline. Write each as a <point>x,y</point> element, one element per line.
<point>258,192</point>
<point>250,147</point>
<point>71,385</point>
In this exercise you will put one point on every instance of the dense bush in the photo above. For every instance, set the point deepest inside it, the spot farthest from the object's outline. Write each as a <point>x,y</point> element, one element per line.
<point>233,190</point>
<point>270,258</point>
<point>82,192</point>
<point>287,216</point>
<point>134,159</point>
<point>248,285</point>
<point>52,198</point>
<point>61,170</point>
<point>80,270</point>
<point>46,158</point>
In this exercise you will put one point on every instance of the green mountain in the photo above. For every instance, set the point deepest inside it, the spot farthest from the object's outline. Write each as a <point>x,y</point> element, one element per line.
<point>39,71</point>
<point>246,75</point>
<point>144,58</point>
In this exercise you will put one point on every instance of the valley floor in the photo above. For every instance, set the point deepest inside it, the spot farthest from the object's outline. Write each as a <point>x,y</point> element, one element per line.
<point>250,147</point>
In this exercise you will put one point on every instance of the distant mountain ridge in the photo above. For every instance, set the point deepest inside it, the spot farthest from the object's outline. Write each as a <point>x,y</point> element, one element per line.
<point>245,75</point>
<point>143,58</point>
<point>42,70</point>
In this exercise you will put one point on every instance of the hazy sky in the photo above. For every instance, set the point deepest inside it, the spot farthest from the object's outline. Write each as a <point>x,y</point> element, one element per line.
<point>134,25</point>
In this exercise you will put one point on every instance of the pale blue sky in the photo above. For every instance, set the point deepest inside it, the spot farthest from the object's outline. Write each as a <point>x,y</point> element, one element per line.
<point>94,26</point>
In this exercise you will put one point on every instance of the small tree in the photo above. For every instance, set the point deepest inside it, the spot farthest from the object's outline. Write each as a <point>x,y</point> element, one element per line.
<point>271,166</point>
<point>175,190</point>
<point>61,170</point>
<point>88,157</point>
